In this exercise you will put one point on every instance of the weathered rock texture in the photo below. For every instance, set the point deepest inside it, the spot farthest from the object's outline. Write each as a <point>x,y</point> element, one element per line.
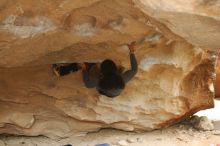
<point>197,21</point>
<point>175,78</point>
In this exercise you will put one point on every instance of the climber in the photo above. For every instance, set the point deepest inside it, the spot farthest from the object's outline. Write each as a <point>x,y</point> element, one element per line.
<point>107,77</point>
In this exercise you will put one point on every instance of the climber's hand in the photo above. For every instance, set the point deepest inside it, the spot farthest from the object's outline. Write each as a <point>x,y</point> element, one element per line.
<point>82,66</point>
<point>131,46</point>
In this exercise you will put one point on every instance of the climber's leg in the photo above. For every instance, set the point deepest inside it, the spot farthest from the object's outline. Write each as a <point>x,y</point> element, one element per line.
<point>65,69</point>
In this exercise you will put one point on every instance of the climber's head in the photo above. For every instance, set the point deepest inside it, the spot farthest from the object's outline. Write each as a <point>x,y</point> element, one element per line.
<point>111,85</point>
<point>108,67</point>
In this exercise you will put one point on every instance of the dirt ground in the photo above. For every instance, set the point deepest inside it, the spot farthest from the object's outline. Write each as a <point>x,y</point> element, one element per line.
<point>177,135</point>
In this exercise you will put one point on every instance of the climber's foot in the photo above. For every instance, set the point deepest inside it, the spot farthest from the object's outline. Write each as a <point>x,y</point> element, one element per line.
<point>65,69</point>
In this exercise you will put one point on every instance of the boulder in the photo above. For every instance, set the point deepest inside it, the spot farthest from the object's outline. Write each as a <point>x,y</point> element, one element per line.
<point>174,80</point>
<point>202,123</point>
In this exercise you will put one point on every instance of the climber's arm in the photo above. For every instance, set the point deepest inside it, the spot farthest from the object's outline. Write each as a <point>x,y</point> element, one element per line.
<point>89,83</point>
<point>128,75</point>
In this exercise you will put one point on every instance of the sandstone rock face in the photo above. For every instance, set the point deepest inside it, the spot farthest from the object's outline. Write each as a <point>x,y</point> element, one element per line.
<point>174,80</point>
<point>197,21</point>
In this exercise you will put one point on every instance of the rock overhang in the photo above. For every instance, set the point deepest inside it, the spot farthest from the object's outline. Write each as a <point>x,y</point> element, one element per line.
<point>174,79</point>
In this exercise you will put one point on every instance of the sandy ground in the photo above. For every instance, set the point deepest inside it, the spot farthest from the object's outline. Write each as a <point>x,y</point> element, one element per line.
<point>177,135</point>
